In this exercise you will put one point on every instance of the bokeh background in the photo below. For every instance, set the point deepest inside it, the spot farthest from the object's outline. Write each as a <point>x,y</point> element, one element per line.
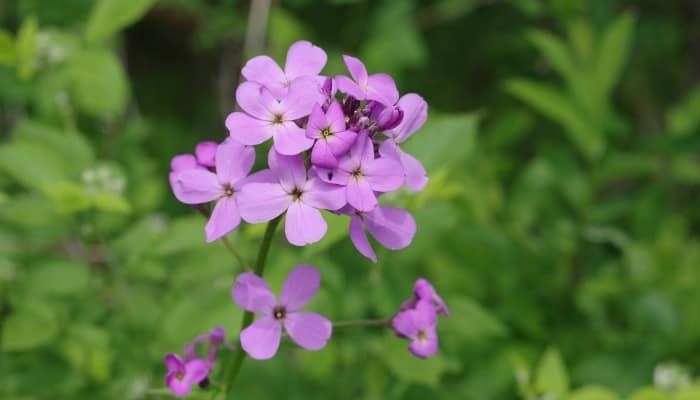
<point>560,223</point>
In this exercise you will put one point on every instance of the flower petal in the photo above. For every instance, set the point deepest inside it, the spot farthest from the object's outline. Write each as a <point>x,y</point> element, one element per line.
<point>336,117</point>
<point>178,387</point>
<point>357,69</point>
<point>256,100</point>
<point>290,139</point>
<point>348,86</point>
<point>360,195</point>
<point>300,286</point>
<point>233,161</point>
<point>174,363</point>
<point>261,202</point>
<point>416,176</point>
<point>309,330</point>
<point>304,59</point>
<point>321,195</point>
<point>247,130</point>
<point>381,88</point>
<point>251,293</point>
<point>383,174</point>
<point>359,238</point>
<point>322,156</point>
<point>262,338</point>
<point>223,219</point>
<point>183,162</point>
<point>196,370</point>
<point>304,224</point>
<point>264,70</point>
<point>317,122</point>
<point>341,141</point>
<point>415,113</point>
<point>303,94</point>
<point>404,324</point>
<point>426,347</point>
<point>393,227</point>
<point>197,186</point>
<point>206,153</point>
<point>290,170</point>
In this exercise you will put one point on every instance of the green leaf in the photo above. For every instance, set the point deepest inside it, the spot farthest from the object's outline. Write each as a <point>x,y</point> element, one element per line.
<point>74,149</point>
<point>554,104</point>
<point>556,53</point>
<point>59,277</point>
<point>613,52</point>
<point>28,327</point>
<point>476,323</point>
<point>111,202</point>
<point>649,393</point>
<point>68,197</point>
<point>26,47</point>
<point>593,392</point>
<point>8,53</point>
<point>110,16</point>
<point>683,118</point>
<point>691,393</point>
<point>98,83</point>
<point>88,351</point>
<point>551,376</point>
<point>32,165</point>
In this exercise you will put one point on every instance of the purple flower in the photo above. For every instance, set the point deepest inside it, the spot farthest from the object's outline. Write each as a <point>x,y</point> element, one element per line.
<point>418,325</point>
<point>392,227</point>
<point>206,154</point>
<point>307,329</point>
<point>215,339</point>
<point>378,87</point>
<point>363,175</point>
<point>197,186</point>
<point>265,117</point>
<point>182,375</point>
<point>179,163</point>
<point>303,59</point>
<point>329,131</point>
<point>415,113</point>
<point>424,291</point>
<point>288,189</point>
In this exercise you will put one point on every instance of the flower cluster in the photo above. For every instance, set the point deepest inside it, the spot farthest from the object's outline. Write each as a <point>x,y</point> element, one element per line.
<point>417,320</point>
<point>193,370</point>
<point>336,146</point>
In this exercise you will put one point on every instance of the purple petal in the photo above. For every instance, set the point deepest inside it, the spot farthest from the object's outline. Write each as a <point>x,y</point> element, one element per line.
<point>290,170</point>
<point>217,335</point>
<point>303,94</point>
<point>423,290</point>
<point>360,194</point>
<point>404,324</point>
<point>196,370</point>
<point>381,88</point>
<point>261,202</point>
<point>359,238</point>
<point>383,174</point>
<point>300,287</point>
<point>251,293</point>
<point>206,153</point>
<point>357,69</point>
<point>416,176</point>
<point>304,59</point>
<point>309,330</point>
<point>322,156</point>
<point>341,141</point>
<point>321,195</point>
<point>223,219</point>
<point>336,117</point>
<point>424,314</point>
<point>348,86</point>
<point>304,224</point>
<point>197,186</point>
<point>393,227</point>
<point>179,388</point>
<point>427,346</point>
<point>174,363</point>
<point>262,338</point>
<point>256,100</point>
<point>183,162</point>
<point>415,113</point>
<point>363,149</point>
<point>247,130</point>
<point>317,122</point>
<point>290,139</point>
<point>233,161</point>
<point>337,176</point>
<point>264,70</point>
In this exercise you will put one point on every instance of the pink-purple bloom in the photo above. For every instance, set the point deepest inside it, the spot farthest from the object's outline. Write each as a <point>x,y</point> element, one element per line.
<point>393,228</point>
<point>423,291</point>
<point>183,374</point>
<point>332,137</point>
<point>288,189</point>
<point>307,329</point>
<point>417,319</point>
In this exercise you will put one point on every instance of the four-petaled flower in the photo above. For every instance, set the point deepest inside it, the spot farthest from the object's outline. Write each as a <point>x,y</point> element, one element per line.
<point>329,131</point>
<point>418,325</point>
<point>378,87</point>
<point>262,338</point>
<point>392,227</point>
<point>183,374</point>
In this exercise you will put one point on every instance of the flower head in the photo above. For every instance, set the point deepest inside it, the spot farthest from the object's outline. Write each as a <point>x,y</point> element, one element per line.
<point>332,138</point>
<point>423,291</point>
<point>418,325</point>
<point>307,329</point>
<point>183,374</point>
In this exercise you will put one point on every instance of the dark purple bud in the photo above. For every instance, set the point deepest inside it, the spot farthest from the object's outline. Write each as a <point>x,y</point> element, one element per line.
<point>389,118</point>
<point>327,87</point>
<point>204,383</point>
<point>350,105</point>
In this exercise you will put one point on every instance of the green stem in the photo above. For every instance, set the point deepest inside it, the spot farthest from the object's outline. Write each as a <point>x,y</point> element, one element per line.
<point>234,367</point>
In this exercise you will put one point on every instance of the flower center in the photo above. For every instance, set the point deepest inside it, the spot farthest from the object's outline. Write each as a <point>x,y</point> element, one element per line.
<point>228,191</point>
<point>422,336</point>
<point>356,173</point>
<point>277,119</point>
<point>296,193</point>
<point>180,376</point>
<point>279,313</point>
<point>326,132</point>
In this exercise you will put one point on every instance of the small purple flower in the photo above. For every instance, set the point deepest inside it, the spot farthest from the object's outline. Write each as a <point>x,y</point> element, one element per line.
<point>307,329</point>
<point>303,60</point>
<point>418,325</point>
<point>215,339</point>
<point>424,291</point>
<point>393,228</point>
<point>288,189</point>
<point>197,186</point>
<point>415,113</point>
<point>206,153</point>
<point>378,87</point>
<point>329,131</point>
<point>179,163</point>
<point>265,117</point>
<point>183,374</point>
<point>363,175</point>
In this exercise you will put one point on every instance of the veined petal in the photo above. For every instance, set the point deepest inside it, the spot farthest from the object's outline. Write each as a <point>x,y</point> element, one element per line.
<point>247,130</point>
<point>321,195</point>
<point>262,338</point>
<point>290,170</point>
<point>383,174</point>
<point>360,194</point>
<point>197,186</point>
<point>304,59</point>
<point>416,176</point>
<point>304,224</point>
<point>251,293</point>
<point>300,286</point>
<point>317,122</point>
<point>264,70</point>
<point>359,238</point>
<point>415,113</point>
<point>381,88</point>
<point>261,202</point>
<point>348,86</point>
<point>393,227</point>
<point>290,139</point>
<point>356,68</point>
<point>309,330</point>
<point>223,219</point>
<point>233,161</point>
<point>256,100</point>
<point>322,156</point>
<point>303,93</point>
<point>335,117</point>
<point>340,142</point>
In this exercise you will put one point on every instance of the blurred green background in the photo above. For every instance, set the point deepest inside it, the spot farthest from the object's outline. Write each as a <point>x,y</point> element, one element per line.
<point>560,223</point>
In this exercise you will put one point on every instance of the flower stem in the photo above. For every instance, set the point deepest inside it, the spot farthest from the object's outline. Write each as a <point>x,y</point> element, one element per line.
<point>363,322</point>
<point>232,369</point>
